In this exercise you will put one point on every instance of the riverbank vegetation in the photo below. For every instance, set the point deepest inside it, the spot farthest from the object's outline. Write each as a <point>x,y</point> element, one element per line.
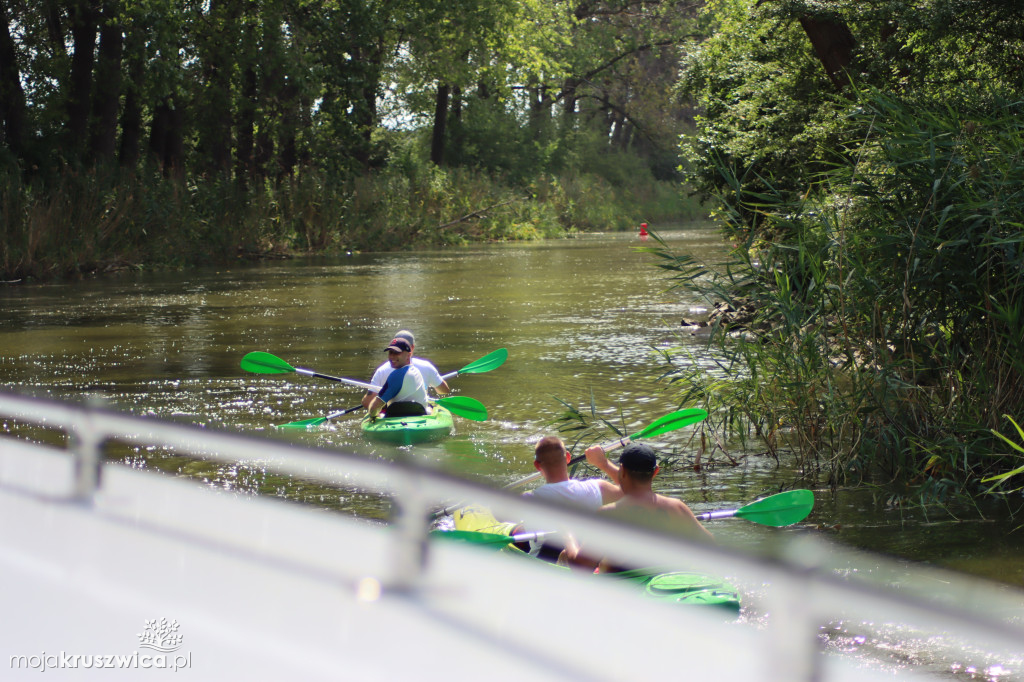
<point>864,159</point>
<point>866,164</point>
<point>170,132</point>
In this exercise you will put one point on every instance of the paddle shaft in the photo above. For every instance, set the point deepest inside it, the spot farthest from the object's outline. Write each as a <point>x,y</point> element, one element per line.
<point>720,514</point>
<point>350,382</point>
<point>339,413</point>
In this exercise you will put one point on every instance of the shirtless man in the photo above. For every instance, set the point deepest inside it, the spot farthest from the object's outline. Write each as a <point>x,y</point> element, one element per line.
<point>635,472</point>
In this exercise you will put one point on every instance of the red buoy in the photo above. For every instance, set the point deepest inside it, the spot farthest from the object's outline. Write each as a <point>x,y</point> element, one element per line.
<point>643,231</point>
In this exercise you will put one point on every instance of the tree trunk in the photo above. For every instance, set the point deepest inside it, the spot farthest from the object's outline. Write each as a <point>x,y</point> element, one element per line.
<point>215,108</point>
<point>12,96</point>
<point>165,140</point>
<point>569,102</point>
<point>288,156</point>
<point>158,132</point>
<point>83,35</point>
<point>834,44</point>
<point>618,126</point>
<point>107,94</point>
<point>440,123</point>
<point>131,116</point>
<point>174,158</point>
<point>456,133</point>
<point>246,125</point>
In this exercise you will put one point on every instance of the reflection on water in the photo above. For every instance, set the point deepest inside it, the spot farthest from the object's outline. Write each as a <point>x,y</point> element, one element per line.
<point>579,317</point>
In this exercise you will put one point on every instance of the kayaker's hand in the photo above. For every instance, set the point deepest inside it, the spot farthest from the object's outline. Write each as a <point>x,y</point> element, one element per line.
<point>596,456</point>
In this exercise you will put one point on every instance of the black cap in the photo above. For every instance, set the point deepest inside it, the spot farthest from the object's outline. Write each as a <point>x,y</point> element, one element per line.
<point>399,346</point>
<point>639,457</point>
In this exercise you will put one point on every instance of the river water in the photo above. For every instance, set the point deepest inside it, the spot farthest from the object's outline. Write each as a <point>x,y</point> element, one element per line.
<point>580,319</point>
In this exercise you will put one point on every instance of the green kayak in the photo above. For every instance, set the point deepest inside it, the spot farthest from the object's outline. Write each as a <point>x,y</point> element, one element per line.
<point>477,525</point>
<point>684,588</point>
<point>408,430</point>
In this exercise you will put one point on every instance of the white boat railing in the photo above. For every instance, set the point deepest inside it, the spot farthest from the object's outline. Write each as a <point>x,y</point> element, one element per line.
<point>812,581</point>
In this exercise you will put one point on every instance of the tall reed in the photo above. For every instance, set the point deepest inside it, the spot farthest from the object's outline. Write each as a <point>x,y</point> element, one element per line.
<point>888,339</point>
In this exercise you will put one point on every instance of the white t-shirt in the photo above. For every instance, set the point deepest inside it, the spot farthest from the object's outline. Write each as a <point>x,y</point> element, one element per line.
<point>431,377</point>
<point>584,492</point>
<point>406,385</point>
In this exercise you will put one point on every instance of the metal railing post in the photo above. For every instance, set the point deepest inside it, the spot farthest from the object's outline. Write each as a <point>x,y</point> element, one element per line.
<point>411,528</point>
<point>795,651</point>
<point>84,442</point>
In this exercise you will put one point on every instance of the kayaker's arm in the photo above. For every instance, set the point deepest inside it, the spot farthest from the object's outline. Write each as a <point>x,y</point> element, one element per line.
<point>374,407</point>
<point>368,398</point>
<point>597,457</point>
<point>443,388</point>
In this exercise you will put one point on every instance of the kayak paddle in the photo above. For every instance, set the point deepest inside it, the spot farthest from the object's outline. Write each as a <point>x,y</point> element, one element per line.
<point>317,421</point>
<point>783,509</point>
<point>260,362</point>
<point>482,538</point>
<point>670,422</point>
<point>464,406</point>
<point>264,363</point>
<point>485,364</point>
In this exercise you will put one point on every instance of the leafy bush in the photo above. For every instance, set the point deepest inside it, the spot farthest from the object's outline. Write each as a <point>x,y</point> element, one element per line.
<point>888,336</point>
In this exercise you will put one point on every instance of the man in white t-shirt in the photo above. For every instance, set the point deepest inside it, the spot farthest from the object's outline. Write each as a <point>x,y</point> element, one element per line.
<point>404,394</point>
<point>551,459</point>
<point>431,377</point>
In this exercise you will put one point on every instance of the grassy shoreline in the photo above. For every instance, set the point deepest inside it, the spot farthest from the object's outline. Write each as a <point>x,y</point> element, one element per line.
<point>83,223</point>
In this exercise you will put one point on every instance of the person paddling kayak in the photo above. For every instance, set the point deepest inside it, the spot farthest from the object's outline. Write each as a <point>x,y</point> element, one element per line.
<point>551,459</point>
<point>404,392</point>
<point>636,470</point>
<point>431,377</point>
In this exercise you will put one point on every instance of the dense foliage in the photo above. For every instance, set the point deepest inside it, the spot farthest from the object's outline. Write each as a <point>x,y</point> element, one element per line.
<point>142,130</point>
<point>866,159</point>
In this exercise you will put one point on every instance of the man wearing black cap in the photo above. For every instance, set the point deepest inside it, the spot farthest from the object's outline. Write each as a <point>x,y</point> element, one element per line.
<point>431,377</point>
<point>404,392</point>
<point>635,472</point>
<point>637,468</point>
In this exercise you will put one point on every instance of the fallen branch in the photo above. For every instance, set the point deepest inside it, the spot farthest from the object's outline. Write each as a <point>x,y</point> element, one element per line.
<point>476,214</point>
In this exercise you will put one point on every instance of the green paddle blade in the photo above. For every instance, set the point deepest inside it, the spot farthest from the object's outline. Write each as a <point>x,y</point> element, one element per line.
<point>465,407</point>
<point>303,424</point>
<point>265,363</point>
<point>486,363</point>
<point>783,509</point>
<point>670,422</point>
